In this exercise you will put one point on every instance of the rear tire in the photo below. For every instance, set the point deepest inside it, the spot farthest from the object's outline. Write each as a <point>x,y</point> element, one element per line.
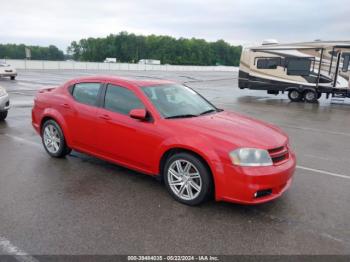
<point>187,179</point>
<point>310,96</point>
<point>53,140</point>
<point>295,96</point>
<point>13,77</point>
<point>3,115</point>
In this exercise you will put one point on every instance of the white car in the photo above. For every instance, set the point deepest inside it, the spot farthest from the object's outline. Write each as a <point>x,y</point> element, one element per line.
<point>7,70</point>
<point>4,103</point>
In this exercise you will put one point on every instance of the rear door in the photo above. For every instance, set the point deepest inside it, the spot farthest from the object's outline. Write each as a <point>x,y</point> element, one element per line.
<point>80,114</point>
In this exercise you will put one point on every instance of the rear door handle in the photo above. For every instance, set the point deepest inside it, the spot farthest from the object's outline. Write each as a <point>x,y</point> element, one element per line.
<point>105,117</point>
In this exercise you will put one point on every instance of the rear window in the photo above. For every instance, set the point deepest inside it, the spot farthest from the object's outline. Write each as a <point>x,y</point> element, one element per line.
<point>86,93</point>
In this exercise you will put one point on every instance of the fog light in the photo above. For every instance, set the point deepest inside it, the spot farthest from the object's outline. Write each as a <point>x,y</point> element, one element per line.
<point>262,193</point>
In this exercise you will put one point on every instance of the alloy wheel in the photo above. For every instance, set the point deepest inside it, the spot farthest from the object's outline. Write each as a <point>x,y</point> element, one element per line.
<point>52,139</point>
<point>184,179</point>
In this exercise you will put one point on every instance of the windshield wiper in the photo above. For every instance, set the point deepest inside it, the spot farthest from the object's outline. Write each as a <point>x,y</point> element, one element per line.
<point>181,116</point>
<point>208,111</point>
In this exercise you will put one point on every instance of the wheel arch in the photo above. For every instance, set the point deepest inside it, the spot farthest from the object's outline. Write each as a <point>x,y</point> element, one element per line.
<point>55,116</point>
<point>300,89</point>
<point>291,88</point>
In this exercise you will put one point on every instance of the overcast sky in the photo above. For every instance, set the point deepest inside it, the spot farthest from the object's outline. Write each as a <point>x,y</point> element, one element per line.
<point>44,22</point>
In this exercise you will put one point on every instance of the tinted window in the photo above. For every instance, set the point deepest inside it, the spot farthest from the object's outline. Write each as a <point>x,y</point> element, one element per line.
<point>268,63</point>
<point>86,93</point>
<point>121,100</point>
<point>298,66</point>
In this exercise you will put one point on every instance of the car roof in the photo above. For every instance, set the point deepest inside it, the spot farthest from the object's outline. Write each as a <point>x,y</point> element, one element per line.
<point>126,80</point>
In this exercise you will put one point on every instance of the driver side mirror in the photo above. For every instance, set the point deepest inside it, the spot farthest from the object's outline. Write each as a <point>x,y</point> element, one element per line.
<point>140,114</point>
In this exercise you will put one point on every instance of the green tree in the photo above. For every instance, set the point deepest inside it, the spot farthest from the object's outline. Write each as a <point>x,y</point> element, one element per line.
<point>13,51</point>
<point>131,48</point>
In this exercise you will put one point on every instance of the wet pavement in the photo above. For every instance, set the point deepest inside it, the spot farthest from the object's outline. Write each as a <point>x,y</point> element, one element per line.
<point>82,205</point>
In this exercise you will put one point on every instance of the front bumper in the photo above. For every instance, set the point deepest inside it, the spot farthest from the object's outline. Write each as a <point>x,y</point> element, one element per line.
<point>4,103</point>
<point>255,185</point>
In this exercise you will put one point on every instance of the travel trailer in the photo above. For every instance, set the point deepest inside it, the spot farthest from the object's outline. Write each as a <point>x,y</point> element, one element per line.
<point>304,70</point>
<point>149,62</point>
<point>110,60</point>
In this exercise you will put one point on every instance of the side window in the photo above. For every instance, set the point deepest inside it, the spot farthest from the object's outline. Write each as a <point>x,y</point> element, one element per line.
<point>346,62</point>
<point>298,66</point>
<point>121,100</point>
<point>86,93</point>
<point>268,63</point>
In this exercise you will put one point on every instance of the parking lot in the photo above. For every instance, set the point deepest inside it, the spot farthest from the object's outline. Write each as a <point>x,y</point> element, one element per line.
<point>82,205</point>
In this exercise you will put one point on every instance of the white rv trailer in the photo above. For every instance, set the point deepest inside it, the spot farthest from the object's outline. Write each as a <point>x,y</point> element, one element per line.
<point>304,70</point>
<point>149,62</point>
<point>110,60</point>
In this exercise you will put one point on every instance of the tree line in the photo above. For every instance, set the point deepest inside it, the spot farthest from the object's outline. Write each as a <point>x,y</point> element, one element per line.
<point>13,51</point>
<point>131,48</point>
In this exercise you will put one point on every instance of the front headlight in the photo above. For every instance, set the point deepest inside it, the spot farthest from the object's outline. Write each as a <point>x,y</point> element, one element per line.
<point>2,91</point>
<point>250,157</point>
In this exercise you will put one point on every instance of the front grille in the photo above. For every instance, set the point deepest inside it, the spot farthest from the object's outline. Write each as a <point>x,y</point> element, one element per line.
<point>8,71</point>
<point>279,154</point>
<point>274,150</point>
<point>279,158</point>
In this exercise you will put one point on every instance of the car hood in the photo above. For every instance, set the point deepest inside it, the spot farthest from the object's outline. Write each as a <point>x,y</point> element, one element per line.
<point>2,91</point>
<point>237,130</point>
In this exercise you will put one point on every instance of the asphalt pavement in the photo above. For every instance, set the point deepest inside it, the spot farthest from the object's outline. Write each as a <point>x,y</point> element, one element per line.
<point>82,205</point>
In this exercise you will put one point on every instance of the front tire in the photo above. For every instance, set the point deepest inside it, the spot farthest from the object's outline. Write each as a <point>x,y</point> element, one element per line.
<point>3,115</point>
<point>295,96</point>
<point>53,140</point>
<point>187,179</point>
<point>13,77</point>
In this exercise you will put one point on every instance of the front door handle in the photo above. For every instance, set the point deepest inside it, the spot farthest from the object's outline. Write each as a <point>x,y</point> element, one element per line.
<point>105,117</point>
<point>66,105</point>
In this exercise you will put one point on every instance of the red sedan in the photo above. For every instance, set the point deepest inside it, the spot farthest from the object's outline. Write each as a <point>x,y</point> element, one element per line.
<point>166,129</point>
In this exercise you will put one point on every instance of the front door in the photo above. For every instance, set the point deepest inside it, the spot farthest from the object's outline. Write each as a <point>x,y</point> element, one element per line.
<point>122,138</point>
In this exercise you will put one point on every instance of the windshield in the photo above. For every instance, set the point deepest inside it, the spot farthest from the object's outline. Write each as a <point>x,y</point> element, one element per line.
<point>176,101</point>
